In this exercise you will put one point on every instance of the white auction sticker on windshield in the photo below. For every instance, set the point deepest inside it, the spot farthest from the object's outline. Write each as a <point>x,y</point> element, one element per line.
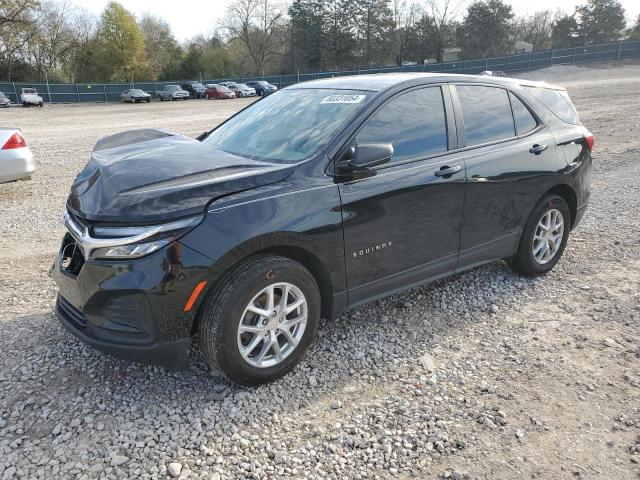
<point>343,99</point>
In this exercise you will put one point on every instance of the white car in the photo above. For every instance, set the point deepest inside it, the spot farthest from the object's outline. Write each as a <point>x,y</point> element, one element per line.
<point>30,96</point>
<point>16,160</point>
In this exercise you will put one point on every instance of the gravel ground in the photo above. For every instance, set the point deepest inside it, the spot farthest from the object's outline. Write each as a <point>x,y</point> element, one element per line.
<point>483,375</point>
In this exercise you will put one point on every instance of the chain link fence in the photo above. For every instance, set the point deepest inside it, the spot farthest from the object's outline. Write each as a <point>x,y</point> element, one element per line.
<point>110,92</point>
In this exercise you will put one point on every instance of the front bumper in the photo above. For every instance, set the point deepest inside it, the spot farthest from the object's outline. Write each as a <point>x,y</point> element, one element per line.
<point>133,309</point>
<point>16,164</point>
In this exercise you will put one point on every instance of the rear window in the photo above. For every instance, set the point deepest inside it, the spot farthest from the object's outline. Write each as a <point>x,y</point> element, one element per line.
<point>558,102</point>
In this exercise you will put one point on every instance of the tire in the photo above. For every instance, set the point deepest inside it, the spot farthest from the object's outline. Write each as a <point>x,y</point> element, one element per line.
<point>226,307</point>
<point>25,104</point>
<point>41,104</point>
<point>148,100</point>
<point>173,99</point>
<point>525,262</point>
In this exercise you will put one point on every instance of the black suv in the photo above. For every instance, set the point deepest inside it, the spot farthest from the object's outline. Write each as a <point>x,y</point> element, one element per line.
<point>195,89</point>
<point>315,200</point>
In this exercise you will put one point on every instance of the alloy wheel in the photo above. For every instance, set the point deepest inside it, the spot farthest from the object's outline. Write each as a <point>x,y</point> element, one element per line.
<point>548,236</point>
<point>272,325</point>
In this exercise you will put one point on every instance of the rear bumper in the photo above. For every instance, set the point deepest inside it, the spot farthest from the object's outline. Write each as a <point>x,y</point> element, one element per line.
<point>16,164</point>
<point>580,211</point>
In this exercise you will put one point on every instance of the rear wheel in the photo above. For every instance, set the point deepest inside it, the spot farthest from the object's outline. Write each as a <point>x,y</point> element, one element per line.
<point>259,322</point>
<point>544,238</point>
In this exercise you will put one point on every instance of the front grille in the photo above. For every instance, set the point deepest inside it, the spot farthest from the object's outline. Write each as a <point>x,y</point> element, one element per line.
<point>72,259</point>
<point>71,313</point>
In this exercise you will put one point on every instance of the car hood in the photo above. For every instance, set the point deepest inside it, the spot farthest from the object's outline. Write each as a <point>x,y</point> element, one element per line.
<point>151,176</point>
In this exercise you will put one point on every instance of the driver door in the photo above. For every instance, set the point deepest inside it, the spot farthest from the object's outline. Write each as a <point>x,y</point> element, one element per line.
<point>402,219</point>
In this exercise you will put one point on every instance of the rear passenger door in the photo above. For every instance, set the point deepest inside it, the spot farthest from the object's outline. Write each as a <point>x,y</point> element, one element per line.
<point>402,219</point>
<point>510,158</point>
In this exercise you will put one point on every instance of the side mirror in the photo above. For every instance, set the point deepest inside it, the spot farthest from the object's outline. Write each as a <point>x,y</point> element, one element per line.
<point>366,155</point>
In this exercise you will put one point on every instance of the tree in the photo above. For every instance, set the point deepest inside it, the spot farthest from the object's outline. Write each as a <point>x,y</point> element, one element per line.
<point>443,13</point>
<point>340,21</point>
<point>308,37</point>
<point>255,23</point>
<point>54,41</point>
<point>17,28</point>
<point>564,33</point>
<point>537,29</point>
<point>600,21</point>
<point>405,21</point>
<point>374,32</point>
<point>486,29</point>
<point>634,31</point>
<point>123,53</point>
<point>162,49</point>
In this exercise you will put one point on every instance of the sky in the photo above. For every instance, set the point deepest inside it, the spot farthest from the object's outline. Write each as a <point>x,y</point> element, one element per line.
<point>201,16</point>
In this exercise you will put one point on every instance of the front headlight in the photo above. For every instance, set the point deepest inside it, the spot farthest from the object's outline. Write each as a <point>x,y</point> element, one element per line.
<point>135,250</point>
<point>127,242</point>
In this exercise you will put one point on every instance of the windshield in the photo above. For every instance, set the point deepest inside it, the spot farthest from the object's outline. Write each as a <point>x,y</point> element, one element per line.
<point>288,126</point>
<point>224,89</point>
<point>136,91</point>
<point>172,87</point>
<point>197,85</point>
<point>28,90</point>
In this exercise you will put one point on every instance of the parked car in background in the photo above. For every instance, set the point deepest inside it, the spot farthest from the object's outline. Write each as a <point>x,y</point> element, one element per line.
<point>195,89</point>
<point>240,89</point>
<point>493,73</point>
<point>320,198</point>
<point>135,95</point>
<point>218,91</point>
<point>16,160</point>
<point>261,87</point>
<point>29,96</point>
<point>4,100</point>
<point>172,92</point>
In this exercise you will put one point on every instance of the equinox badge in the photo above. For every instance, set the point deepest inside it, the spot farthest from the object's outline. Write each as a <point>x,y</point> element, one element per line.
<point>374,248</point>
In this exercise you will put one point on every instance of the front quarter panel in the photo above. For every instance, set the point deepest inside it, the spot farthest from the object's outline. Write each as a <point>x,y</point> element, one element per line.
<point>303,213</point>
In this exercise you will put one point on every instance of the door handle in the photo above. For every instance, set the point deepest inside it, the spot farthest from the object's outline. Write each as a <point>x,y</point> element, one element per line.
<point>448,171</point>
<point>537,149</point>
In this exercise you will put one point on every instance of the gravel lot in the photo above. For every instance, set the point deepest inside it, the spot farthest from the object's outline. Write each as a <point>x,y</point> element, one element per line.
<point>484,375</point>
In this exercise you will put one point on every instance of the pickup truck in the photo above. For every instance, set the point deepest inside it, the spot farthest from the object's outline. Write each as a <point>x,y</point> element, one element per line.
<point>172,92</point>
<point>29,96</point>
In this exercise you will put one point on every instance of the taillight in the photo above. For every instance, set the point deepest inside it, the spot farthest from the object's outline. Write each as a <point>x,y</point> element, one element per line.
<point>590,141</point>
<point>15,141</point>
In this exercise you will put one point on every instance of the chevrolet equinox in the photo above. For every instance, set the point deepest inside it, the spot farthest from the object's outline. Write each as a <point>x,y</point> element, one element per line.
<point>317,199</point>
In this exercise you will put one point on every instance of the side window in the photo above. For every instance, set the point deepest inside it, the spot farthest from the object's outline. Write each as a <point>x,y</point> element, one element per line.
<point>486,112</point>
<point>413,122</point>
<point>525,122</point>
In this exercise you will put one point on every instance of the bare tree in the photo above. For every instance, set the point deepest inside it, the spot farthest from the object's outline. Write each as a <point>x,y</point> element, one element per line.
<point>444,13</point>
<point>536,28</point>
<point>54,38</point>
<point>256,24</point>
<point>405,19</point>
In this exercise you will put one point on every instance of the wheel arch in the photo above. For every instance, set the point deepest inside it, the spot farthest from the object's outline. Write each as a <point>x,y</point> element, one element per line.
<point>290,245</point>
<point>569,195</point>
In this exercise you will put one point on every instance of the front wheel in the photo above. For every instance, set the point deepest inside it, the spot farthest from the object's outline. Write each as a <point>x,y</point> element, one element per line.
<point>257,325</point>
<point>544,238</point>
